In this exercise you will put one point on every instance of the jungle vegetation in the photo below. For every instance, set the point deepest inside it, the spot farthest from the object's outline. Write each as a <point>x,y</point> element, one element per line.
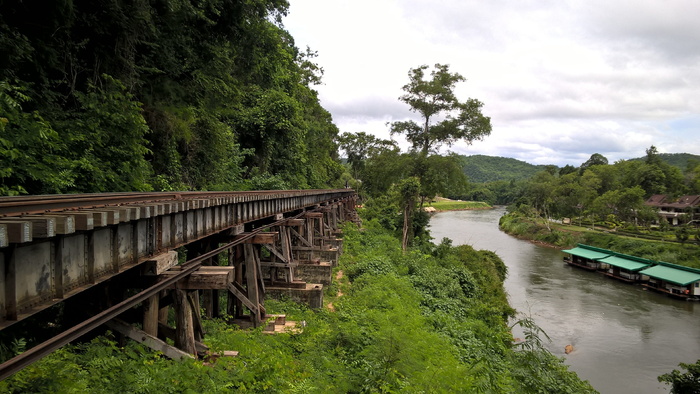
<point>605,205</point>
<point>114,95</point>
<point>432,319</point>
<point>502,181</point>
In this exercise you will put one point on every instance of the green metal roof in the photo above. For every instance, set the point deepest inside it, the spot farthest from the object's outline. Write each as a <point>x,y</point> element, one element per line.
<point>628,264</point>
<point>586,253</point>
<point>672,275</point>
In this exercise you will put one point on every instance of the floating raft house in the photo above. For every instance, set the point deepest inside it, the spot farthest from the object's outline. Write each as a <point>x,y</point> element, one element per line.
<point>675,280</point>
<point>672,279</point>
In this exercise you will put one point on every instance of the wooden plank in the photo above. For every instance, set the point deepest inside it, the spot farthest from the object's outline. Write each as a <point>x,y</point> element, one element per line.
<point>270,264</point>
<point>43,227</point>
<point>315,248</point>
<point>204,279</point>
<point>117,215</point>
<point>83,221</point>
<point>150,315</point>
<point>3,236</point>
<point>18,231</point>
<point>295,222</point>
<point>314,215</point>
<point>99,218</point>
<point>145,211</point>
<point>193,299</point>
<point>184,324</point>
<point>300,237</point>
<point>277,253</point>
<point>159,264</point>
<point>108,216</point>
<point>242,297</point>
<point>148,340</point>
<point>64,224</point>
<point>130,212</point>
<point>261,238</point>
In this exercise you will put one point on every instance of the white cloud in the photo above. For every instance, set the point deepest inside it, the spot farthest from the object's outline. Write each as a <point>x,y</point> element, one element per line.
<point>561,80</point>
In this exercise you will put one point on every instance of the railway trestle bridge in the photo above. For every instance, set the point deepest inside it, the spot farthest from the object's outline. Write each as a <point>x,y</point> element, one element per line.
<point>121,259</point>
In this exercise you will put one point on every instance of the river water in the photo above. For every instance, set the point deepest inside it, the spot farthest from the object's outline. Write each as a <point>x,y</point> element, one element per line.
<point>623,337</point>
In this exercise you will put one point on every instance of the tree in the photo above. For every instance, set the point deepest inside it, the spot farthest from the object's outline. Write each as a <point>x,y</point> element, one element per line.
<point>434,99</point>
<point>567,169</point>
<point>440,175</point>
<point>683,382</point>
<point>360,146</point>
<point>408,190</point>
<point>595,160</point>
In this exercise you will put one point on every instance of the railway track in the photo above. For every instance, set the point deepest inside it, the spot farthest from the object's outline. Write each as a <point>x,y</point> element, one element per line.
<point>38,204</point>
<point>16,208</point>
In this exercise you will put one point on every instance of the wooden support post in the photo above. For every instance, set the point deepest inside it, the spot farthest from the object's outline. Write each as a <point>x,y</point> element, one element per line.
<point>4,242</point>
<point>251,269</point>
<point>148,340</point>
<point>215,307</point>
<point>184,325</point>
<point>90,256</point>
<point>230,299</point>
<point>193,299</point>
<point>57,262</point>
<point>237,261</point>
<point>10,283</point>
<point>163,313</point>
<point>208,297</point>
<point>135,242</point>
<point>151,314</point>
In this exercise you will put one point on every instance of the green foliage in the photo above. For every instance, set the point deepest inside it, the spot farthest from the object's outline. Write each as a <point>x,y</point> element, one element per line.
<point>433,319</point>
<point>361,146</point>
<point>434,98</point>
<point>172,95</point>
<point>683,382</point>
<point>485,169</point>
<point>450,205</point>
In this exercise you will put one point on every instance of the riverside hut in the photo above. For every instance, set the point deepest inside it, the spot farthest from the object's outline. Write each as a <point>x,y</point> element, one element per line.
<point>674,280</point>
<point>586,257</point>
<point>624,267</point>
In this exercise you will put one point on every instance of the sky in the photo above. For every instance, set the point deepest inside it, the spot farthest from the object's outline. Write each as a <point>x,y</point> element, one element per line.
<point>560,79</point>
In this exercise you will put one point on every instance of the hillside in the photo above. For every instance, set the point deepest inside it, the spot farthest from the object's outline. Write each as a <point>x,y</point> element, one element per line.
<point>481,168</point>
<point>679,160</point>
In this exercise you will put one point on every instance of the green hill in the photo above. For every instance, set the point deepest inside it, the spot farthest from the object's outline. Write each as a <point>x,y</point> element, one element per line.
<point>481,168</point>
<point>679,160</point>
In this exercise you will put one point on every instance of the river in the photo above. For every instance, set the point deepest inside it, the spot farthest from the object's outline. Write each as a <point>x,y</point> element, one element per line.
<point>623,337</point>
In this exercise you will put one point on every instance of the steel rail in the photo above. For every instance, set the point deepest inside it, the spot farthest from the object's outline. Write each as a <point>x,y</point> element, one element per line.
<point>15,364</point>
<point>23,205</point>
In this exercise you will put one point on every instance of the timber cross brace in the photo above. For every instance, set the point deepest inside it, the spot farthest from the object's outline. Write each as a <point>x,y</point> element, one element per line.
<point>91,254</point>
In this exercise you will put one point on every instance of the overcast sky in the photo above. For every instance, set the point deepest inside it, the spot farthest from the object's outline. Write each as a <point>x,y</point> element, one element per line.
<point>560,79</point>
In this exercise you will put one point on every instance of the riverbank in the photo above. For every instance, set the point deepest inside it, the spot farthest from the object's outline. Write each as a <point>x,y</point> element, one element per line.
<point>403,322</point>
<point>562,236</point>
<point>623,337</point>
<point>444,205</point>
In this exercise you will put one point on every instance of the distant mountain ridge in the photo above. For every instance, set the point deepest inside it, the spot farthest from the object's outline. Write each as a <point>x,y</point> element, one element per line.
<point>679,160</point>
<point>482,168</point>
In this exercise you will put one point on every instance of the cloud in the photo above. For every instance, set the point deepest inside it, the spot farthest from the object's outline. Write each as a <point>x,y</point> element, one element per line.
<point>560,80</point>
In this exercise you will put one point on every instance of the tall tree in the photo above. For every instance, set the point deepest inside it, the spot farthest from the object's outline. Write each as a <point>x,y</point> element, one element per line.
<point>434,99</point>
<point>360,146</point>
<point>596,159</point>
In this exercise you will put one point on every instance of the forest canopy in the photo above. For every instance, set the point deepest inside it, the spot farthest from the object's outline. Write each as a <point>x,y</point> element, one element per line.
<point>115,95</point>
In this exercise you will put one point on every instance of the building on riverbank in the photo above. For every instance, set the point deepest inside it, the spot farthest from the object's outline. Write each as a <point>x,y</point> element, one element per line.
<point>624,267</point>
<point>676,211</point>
<point>586,257</point>
<point>672,279</point>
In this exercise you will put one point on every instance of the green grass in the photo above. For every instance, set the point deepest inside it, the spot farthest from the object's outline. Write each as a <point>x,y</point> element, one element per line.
<point>449,205</point>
